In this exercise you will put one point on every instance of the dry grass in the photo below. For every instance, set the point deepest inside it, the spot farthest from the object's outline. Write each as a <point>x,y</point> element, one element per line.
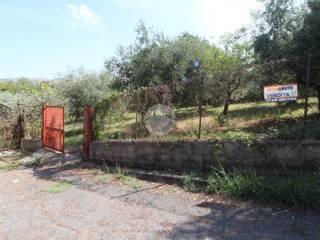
<point>246,121</point>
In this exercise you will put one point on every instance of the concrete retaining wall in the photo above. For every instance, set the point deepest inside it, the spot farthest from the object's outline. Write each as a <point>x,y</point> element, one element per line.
<point>276,156</point>
<point>30,145</point>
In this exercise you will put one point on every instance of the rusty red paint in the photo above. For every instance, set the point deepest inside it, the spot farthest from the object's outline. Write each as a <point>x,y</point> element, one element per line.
<point>87,131</point>
<point>53,128</point>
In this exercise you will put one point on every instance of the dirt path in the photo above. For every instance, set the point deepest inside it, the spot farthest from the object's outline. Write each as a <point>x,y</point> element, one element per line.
<point>94,207</point>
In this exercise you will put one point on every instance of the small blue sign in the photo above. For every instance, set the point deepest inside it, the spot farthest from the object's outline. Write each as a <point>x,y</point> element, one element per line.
<point>184,79</point>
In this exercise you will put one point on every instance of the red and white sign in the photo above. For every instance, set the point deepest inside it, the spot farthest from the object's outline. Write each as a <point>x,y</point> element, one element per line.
<point>281,93</point>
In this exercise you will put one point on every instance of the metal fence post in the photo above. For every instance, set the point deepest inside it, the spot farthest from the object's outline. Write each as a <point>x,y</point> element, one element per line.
<point>21,129</point>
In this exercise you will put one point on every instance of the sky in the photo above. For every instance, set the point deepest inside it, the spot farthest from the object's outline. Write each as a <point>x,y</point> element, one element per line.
<point>49,38</point>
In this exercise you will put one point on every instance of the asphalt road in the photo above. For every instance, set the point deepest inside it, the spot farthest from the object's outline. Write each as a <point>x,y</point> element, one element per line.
<point>94,209</point>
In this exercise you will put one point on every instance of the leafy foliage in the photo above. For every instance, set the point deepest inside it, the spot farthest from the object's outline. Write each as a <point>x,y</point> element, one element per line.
<point>155,60</point>
<point>105,110</point>
<point>287,31</point>
<point>83,89</point>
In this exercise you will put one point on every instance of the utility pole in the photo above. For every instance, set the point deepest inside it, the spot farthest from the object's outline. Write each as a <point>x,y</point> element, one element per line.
<point>306,101</point>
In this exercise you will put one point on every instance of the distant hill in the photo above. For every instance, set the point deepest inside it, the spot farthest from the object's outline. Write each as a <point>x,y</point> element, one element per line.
<point>31,79</point>
<point>7,79</point>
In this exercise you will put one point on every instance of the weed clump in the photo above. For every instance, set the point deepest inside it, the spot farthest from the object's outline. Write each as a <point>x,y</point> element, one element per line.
<point>126,179</point>
<point>290,191</point>
<point>300,192</point>
<point>190,183</point>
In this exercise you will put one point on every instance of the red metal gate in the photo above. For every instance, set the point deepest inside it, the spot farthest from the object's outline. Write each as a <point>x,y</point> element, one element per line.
<point>53,128</point>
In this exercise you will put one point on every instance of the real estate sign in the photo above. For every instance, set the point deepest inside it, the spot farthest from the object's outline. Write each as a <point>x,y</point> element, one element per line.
<point>281,93</point>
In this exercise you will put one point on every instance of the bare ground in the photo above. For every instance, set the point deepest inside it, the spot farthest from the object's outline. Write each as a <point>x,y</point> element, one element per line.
<point>99,207</point>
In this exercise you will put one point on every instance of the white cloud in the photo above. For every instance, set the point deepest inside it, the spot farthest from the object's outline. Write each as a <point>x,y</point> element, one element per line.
<point>83,13</point>
<point>217,17</point>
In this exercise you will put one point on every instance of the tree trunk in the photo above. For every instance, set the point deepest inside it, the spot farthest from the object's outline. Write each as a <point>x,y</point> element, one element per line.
<point>318,95</point>
<point>226,104</point>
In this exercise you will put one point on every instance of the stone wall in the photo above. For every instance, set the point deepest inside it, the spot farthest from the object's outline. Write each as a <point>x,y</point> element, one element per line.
<point>278,156</point>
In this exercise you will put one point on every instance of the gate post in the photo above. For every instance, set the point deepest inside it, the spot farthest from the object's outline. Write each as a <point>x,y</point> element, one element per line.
<point>20,124</point>
<point>87,131</point>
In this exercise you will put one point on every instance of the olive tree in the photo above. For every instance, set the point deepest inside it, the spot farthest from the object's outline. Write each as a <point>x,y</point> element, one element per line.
<point>81,89</point>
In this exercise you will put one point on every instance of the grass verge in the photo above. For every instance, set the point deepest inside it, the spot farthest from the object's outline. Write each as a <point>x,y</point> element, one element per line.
<point>298,192</point>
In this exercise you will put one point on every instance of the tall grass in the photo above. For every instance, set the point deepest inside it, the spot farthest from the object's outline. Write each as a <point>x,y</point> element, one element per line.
<point>190,183</point>
<point>299,192</point>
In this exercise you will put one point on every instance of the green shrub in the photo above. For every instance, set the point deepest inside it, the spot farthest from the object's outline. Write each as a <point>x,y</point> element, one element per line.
<point>236,184</point>
<point>82,89</point>
<point>296,192</point>
<point>293,192</point>
<point>105,111</point>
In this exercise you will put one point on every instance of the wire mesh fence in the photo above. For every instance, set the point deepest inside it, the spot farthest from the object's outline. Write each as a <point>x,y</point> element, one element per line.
<point>7,139</point>
<point>200,117</point>
<point>18,121</point>
<point>192,100</point>
<point>31,120</point>
<point>9,128</point>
